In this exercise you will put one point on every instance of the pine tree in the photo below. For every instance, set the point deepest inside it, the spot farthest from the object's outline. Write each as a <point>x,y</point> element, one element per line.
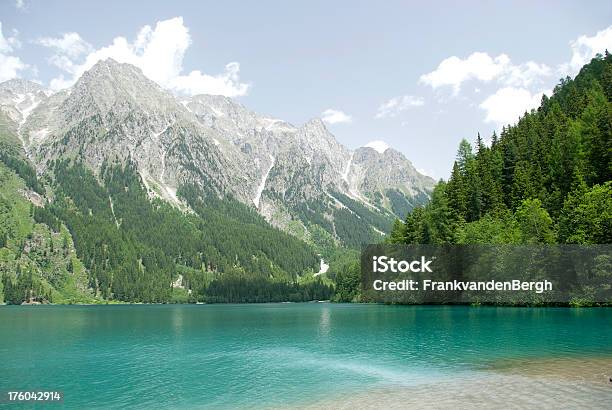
<point>464,156</point>
<point>398,232</point>
<point>595,129</point>
<point>457,193</point>
<point>494,140</point>
<point>535,223</point>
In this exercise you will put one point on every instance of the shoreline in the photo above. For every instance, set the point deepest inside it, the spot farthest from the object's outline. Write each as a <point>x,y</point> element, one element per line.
<point>587,368</point>
<point>562,382</point>
<point>471,305</point>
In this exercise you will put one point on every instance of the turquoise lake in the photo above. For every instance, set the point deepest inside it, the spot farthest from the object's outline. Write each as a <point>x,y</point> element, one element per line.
<point>298,355</point>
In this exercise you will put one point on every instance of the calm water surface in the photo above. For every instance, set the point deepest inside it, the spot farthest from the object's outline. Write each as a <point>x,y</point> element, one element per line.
<point>279,355</point>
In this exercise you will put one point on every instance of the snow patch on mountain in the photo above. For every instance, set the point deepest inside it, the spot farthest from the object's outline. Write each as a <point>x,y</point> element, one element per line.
<point>262,184</point>
<point>157,134</point>
<point>337,201</point>
<point>379,231</point>
<point>185,103</point>
<point>217,112</point>
<point>144,178</point>
<point>169,193</point>
<point>112,207</point>
<point>345,174</point>
<point>27,110</point>
<point>172,192</point>
<point>323,268</point>
<point>357,196</point>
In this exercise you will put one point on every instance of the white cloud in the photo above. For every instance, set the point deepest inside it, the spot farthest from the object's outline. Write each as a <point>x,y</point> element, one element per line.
<point>526,74</point>
<point>508,104</point>
<point>379,146</point>
<point>70,45</point>
<point>20,4</point>
<point>10,65</point>
<point>9,44</point>
<point>59,83</point>
<point>584,49</point>
<point>519,85</point>
<point>158,52</point>
<point>227,83</point>
<point>332,116</point>
<point>396,105</point>
<point>453,71</point>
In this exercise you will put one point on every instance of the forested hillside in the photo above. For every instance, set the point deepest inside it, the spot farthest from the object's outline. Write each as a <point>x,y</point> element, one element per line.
<point>134,247</point>
<point>74,236</point>
<point>129,247</point>
<point>38,262</point>
<point>546,179</point>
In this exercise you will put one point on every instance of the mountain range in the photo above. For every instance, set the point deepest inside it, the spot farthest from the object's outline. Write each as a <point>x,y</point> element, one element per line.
<point>298,178</point>
<point>116,189</point>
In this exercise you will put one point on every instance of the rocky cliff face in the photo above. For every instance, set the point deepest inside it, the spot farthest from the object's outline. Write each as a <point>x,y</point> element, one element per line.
<point>294,176</point>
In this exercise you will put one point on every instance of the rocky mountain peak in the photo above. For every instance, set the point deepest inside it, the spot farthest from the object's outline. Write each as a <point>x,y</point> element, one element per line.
<point>21,86</point>
<point>316,125</point>
<point>18,98</point>
<point>315,134</point>
<point>296,177</point>
<point>109,82</point>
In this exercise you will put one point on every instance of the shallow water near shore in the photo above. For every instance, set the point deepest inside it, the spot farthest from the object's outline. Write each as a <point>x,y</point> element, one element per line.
<point>315,355</point>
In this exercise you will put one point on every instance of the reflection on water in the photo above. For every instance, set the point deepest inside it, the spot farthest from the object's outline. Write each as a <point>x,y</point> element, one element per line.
<point>324,322</point>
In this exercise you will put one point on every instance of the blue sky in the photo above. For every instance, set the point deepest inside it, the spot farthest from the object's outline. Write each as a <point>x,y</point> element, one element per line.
<point>417,76</point>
